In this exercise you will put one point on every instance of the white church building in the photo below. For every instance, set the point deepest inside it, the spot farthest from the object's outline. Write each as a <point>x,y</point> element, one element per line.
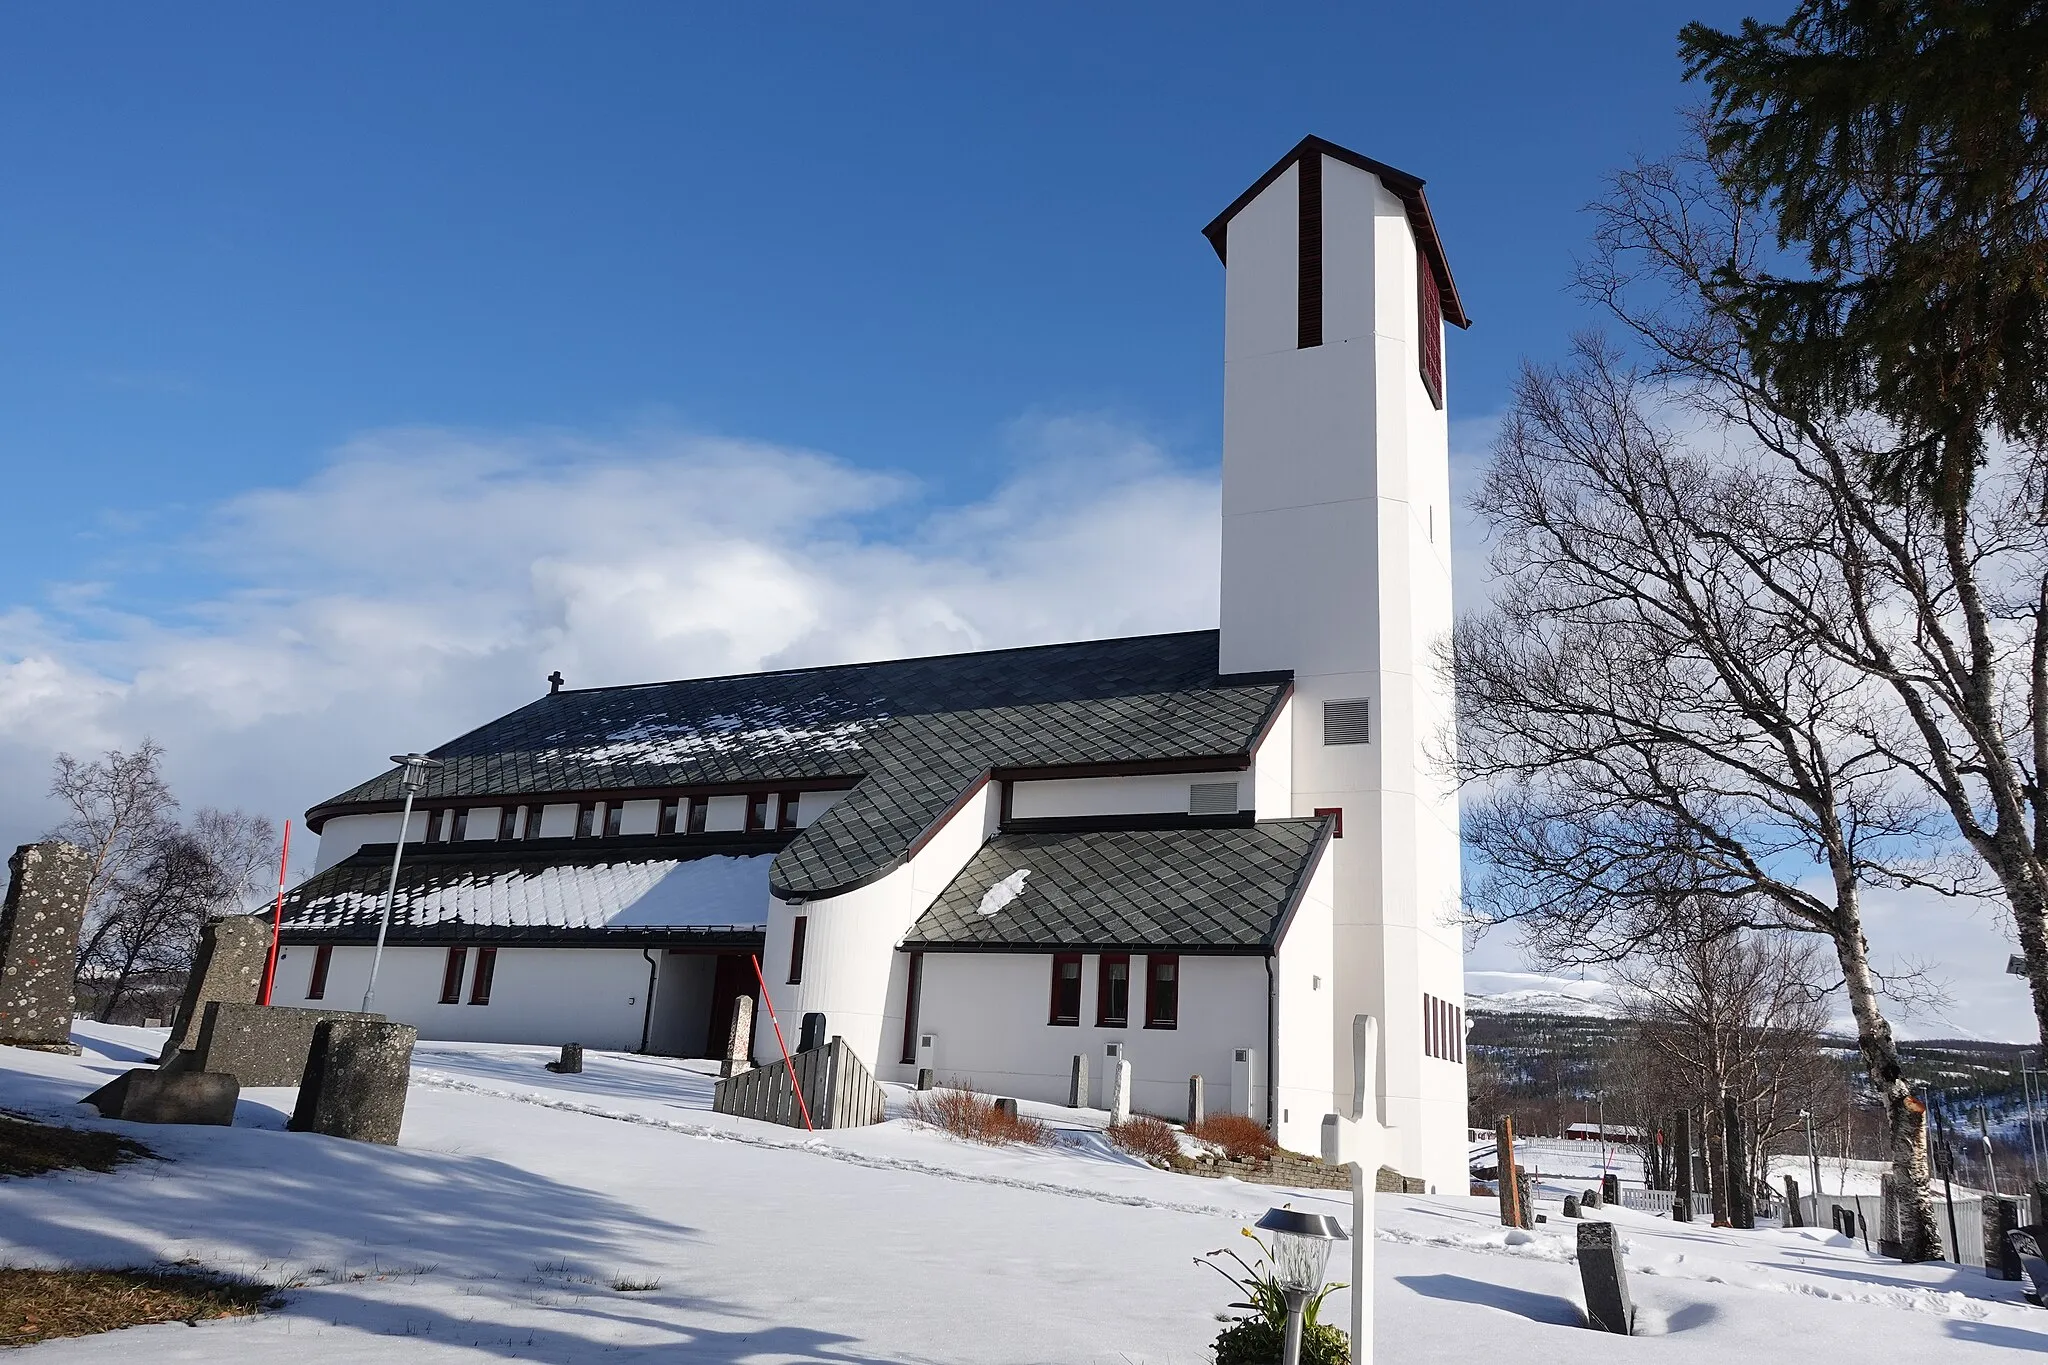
<point>1211,849</point>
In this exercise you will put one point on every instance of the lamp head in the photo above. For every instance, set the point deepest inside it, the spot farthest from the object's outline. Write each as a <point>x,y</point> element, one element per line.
<point>1301,1246</point>
<point>414,779</point>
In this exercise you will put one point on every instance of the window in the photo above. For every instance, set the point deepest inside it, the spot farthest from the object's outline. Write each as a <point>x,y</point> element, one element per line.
<point>433,827</point>
<point>486,968</point>
<point>1336,813</point>
<point>1309,251</point>
<point>1347,722</point>
<point>458,824</point>
<point>699,808</point>
<point>668,815</point>
<point>1066,989</point>
<point>1457,1034</point>
<point>911,992</point>
<point>1429,1026</point>
<point>508,822</point>
<point>451,976</point>
<point>586,819</point>
<point>757,811</point>
<point>614,817</point>
<point>785,815</point>
<point>1430,351</point>
<point>1162,991</point>
<point>796,948</point>
<point>1113,991</point>
<point>316,989</point>
<point>1443,1029</point>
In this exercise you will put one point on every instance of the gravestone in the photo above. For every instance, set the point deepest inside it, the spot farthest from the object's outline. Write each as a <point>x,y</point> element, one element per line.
<point>1007,1107</point>
<point>151,1021</point>
<point>2001,1216</point>
<point>39,922</point>
<point>259,1045</point>
<point>1601,1275</point>
<point>233,954</point>
<point>1571,1206</point>
<point>1525,1187</point>
<point>147,1095</point>
<point>1120,1091</point>
<point>924,1078</point>
<point>812,1036</point>
<point>571,1061</point>
<point>1590,1199</point>
<point>355,1080</point>
<point>1741,1200</point>
<point>739,1040</point>
<point>1505,1171</point>
<point>1681,1167</point>
<point>1793,1215</point>
<point>1077,1082</point>
<point>2025,1245</point>
<point>1610,1188</point>
<point>1196,1108</point>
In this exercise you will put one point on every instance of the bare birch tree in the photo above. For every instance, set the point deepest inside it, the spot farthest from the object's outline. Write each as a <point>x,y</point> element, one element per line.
<point>1638,709</point>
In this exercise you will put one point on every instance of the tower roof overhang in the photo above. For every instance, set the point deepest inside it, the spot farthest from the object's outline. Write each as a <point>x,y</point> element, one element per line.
<point>1405,187</point>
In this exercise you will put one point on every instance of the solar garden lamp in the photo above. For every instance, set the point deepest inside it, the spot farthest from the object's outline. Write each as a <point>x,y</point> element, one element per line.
<point>412,781</point>
<point>1301,1252</point>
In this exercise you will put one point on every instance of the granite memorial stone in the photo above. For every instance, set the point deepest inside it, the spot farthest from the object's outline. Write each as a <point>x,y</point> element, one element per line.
<point>1610,1188</point>
<point>1007,1108</point>
<point>259,1045</point>
<point>2001,1216</point>
<point>1120,1091</point>
<point>355,1082</point>
<point>924,1078</point>
<point>1077,1083</point>
<point>1601,1275</point>
<point>570,1063</point>
<point>147,1095</point>
<point>1681,1167</point>
<point>233,953</point>
<point>1571,1206</point>
<point>39,923</point>
<point>1196,1107</point>
<point>813,1035</point>
<point>739,1040</point>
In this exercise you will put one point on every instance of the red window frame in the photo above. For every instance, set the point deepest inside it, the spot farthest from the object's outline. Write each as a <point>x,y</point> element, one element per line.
<point>798,929</point>
<point>668,815</point>
<point>1167,964</point>
<point>1429,352</point>
<point>1105,1015</point>
<point>913,988</point>
<point>323,958</point>
<point>785,812</point>
<point>451,975</point>
<point>1337,815</point>
<point>486,972</point>
<point>757,811</point>
<point>1065,1012</point>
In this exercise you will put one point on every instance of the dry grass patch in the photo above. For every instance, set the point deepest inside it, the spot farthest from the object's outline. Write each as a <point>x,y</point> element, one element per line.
<point>1145,1138</point>
<point>976,1118</point>
<point>1238,1137</point>
<point>39,1305</point>
<point>31,1148</point>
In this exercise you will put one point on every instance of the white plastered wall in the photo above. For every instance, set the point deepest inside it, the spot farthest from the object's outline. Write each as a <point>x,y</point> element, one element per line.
<point>1150,794</point>
<point>1305,1044</point>
<point>1334,458</point>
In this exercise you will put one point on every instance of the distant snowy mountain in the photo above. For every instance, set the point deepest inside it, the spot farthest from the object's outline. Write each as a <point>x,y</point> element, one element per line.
<point>1534,993</point>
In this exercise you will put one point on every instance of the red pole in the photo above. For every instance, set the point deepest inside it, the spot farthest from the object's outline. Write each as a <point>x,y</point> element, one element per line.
<point>284,859</point>
<point>800,1102</point>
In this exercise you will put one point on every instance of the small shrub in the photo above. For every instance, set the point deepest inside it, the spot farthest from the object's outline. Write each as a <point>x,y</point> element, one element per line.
<point>975,1118</point>
<point>1145,1138</point>
<point>1240,1137</point>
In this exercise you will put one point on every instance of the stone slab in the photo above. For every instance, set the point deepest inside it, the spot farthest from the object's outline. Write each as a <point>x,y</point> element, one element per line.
<point>739,1040</point>
<point>39,923</point>
<point>355,1081</point>
<point>145,1095</point>
<point>233,953</point>
<point>570,1063</point>
<point>259,1045</point>
<point>1604,1279</point>
<point>2001,1260</point>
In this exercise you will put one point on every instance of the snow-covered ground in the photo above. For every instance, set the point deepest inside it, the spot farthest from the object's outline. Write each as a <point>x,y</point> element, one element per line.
<point>499,1227</point>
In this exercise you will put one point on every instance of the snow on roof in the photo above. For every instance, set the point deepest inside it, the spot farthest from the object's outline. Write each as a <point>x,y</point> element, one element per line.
<point>612,894</point>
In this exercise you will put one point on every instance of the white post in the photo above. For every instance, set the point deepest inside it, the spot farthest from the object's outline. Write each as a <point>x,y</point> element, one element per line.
<point>1356,1142</point>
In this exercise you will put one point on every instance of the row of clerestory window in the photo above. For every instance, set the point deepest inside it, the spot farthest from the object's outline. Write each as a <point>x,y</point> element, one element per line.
<point>604,819</point>
<point>1113,990</point>
<point>452,972</point>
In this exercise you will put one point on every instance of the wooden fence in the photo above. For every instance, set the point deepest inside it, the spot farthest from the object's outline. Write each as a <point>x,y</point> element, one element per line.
<point>837,1085</point>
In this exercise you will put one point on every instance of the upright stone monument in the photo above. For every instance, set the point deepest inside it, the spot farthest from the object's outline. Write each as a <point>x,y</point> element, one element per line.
<point>1610,1188</point>
<point>1681,1167</point>
<point>355,1080</point>
<point>2001,1259</point>
<point>233,953</point>
<point>39,923</point>
<point>1120,1091</point>
<point>813,1035</point>
<point>1197,1106</point>
<point>1601,1275</point>
<point>1510,1188</point>
<point>1741,1200</point>
<point>259,1045</point>
<point>1793,1215</point>
<point>739,1042</point>
<point>1077,1082</point>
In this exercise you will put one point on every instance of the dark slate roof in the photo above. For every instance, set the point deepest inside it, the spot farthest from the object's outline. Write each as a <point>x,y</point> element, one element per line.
<point>915,734</point>
<point>648,885</point>
<point>1196,890</point>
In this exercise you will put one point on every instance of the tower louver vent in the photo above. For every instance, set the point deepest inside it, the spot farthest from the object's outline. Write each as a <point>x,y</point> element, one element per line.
<point>1347,722</point>
<point>1212,798</point>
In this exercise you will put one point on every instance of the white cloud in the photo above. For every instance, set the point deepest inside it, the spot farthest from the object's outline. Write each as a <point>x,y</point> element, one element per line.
<point>422,582</point>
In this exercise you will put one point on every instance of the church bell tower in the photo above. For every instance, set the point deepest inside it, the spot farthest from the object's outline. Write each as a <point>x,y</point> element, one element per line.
<point>1337,566</point>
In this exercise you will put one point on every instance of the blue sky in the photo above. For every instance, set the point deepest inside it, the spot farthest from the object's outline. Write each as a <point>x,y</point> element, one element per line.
<point>359,366</point>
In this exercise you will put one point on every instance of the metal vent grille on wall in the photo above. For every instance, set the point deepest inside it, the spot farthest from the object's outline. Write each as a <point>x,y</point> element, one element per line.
<point>1347,722</point>
<point>1212,798</point>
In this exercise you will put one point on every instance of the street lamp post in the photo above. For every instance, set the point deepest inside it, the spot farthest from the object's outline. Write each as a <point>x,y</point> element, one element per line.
<point>412,781</point>
<point>1301,1252</point>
